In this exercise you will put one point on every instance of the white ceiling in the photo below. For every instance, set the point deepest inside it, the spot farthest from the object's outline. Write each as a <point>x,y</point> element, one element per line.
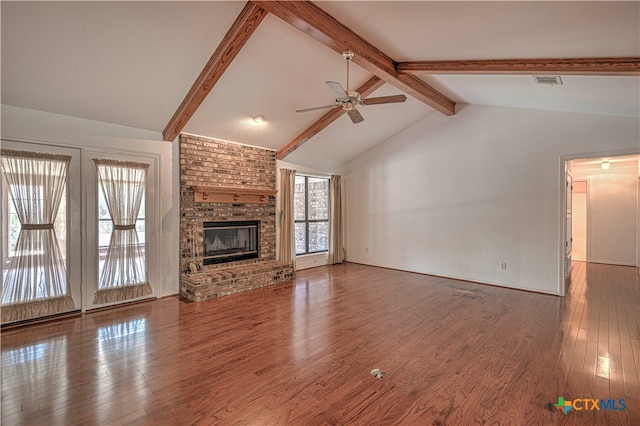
<point>131,63</point>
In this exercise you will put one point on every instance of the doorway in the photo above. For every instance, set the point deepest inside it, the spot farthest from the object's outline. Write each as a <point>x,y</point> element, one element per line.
<point>605,223</point>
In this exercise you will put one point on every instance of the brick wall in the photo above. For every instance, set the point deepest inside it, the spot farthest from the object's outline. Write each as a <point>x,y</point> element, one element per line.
<point>210,162</point>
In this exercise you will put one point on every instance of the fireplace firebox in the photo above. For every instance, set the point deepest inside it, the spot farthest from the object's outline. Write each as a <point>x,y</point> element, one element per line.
<point>230,241</point>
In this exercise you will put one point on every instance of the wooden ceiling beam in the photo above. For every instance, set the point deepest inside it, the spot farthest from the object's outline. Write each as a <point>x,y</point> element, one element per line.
<point>239,33</point>
<point>575,66</point>
<point>332,115</point>
<point>312,20</point>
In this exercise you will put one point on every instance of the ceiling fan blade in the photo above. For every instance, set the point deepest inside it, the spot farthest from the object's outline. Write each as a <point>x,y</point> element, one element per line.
<point>316,108</point>
<point>384,100</point>
<point>337,89</point>
<point>355,116</point>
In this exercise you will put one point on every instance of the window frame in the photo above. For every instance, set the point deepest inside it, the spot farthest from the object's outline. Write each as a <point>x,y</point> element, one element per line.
<point>306,219</point>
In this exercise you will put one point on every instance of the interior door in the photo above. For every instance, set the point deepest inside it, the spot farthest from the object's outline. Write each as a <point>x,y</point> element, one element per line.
<point>27,289</point>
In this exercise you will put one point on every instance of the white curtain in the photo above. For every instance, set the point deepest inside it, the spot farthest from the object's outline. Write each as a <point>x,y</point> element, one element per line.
<point>287,249</point>
<point>35,283</point>
<point>336,253</point>
<point>124,275</point>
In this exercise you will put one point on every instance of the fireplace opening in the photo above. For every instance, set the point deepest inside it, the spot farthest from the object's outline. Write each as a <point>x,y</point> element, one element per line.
<point>230,241</point>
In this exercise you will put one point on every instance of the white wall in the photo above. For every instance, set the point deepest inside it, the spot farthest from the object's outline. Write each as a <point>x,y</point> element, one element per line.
<point>456,196</point>
<point>612,211</point>
<point>26,125</point>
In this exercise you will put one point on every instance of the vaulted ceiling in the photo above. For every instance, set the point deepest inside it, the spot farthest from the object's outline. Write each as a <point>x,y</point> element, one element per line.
<point>138,64</point>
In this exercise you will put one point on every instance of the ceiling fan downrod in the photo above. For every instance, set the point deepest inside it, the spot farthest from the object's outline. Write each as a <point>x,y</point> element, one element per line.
<point>348,55</point>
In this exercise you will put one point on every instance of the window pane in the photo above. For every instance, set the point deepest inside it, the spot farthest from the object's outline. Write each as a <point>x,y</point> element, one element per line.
<point>318,199</point>
<point>301,238</point>
<point>298,200</point>
<point>318,236</point>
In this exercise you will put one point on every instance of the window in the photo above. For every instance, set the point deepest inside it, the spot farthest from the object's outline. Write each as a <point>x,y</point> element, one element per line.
<point>311,214</point>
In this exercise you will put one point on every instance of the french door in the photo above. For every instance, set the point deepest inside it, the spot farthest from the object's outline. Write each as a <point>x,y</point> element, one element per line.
<point>121,228</point>
<point>98,248</point>
<point>41,253</point>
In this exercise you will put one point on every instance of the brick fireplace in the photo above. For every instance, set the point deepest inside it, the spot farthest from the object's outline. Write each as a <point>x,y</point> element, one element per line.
<point>223,185</point>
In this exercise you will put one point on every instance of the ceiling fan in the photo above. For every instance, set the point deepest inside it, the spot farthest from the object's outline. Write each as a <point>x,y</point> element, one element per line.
<point>348,100</point>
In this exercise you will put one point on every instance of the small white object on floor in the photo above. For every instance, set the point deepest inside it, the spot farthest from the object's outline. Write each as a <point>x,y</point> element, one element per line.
<point>377,373</point>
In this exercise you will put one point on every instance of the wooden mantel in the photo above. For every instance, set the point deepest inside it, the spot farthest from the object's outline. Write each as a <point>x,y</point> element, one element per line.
<point>223,194</point>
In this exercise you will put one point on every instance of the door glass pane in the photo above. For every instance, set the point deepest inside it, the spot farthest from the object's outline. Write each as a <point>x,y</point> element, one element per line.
<point>105,228</point>
<point>13,230</point>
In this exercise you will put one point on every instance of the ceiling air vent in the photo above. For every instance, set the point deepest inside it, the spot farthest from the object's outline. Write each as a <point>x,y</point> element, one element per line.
<point>551,80</point>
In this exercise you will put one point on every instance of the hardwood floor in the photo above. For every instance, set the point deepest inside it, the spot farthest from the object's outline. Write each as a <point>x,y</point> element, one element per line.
<point>455,353</point>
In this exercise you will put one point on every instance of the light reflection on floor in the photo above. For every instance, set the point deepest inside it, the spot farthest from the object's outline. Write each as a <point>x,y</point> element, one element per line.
<point>122,343</point>
<point>306,318</point>
<point>122,329</point>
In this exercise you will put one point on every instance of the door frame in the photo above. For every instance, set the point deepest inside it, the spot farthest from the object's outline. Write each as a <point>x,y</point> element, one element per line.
<point>562,169</point>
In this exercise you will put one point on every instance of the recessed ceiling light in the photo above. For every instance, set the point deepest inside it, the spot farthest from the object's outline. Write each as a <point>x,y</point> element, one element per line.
<point>258,119</point>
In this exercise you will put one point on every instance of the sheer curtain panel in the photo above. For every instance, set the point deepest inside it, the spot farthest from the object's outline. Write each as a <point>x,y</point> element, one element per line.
<point>124,273</point>
<point>35,282</point>
<point>336,252</point>
<point>287,249</point>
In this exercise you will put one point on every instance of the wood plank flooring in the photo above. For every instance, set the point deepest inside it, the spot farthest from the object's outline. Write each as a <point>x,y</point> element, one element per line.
<point>455,353</point>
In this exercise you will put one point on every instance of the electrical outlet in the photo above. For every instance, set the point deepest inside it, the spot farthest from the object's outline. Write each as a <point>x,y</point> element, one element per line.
<point>503,265</point>
<point>366,249</point>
